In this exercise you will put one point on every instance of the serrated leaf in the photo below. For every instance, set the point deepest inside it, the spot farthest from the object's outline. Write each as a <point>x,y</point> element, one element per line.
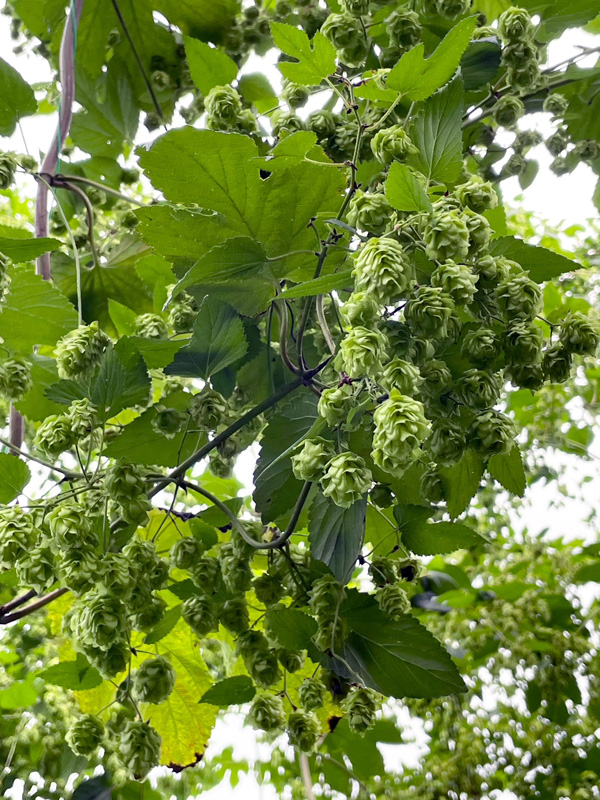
<point>209,66</point>
<point>14,477</point>
<point>22,250</point>
<point>122,381</point>
<point>218,340</point>
<point>322,285</point>
<point>399,658</point>
<point>437,135</point>
<point>508,470</point>
<point>541,264</point>
<point>316,58</point>
<point>292,628</point>
<point>77,675</point>
<point>336,534</point>
<point>16,99</point>
<point>235,258</point>
<point>404,191</point>
<point>169,620</point>
<point>65,391</point>
<point>480,63</point>
<point>230,692</point>
<point>440,537</point>
<point>405,74</point>
<point>461,482</point>
<point>34,312</point>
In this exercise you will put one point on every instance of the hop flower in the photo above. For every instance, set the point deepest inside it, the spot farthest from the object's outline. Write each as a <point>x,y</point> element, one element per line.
<point>309,462</point>
<point>393,143</point>
<point>294,95</point>
<point>479,388</point>
<point>357,8</point>
<point>153,682</point>
<point>55,435</point>
<point>311,693</point>
<point>400,428</point>
<point>237,574</point>
<point>480,231</point>
<point>393,600</point>
<point>37,569</point>
<point>15,378</point>
<point>383,269</point>
<point>325,596</point>
<point>100,620</point>
<point>208,409</point>
<point>402,376</point>
<point>185,552</point>
<point>79,570</point>
<point>370,212</point>
<point>447,237</point>
<point>139,748</point>
<point>268,589</point>
<point>290,660</point>
<point>285,120</point>
<point>204,572</point>
<point>527,376</point>
<point>447,442</point>
<point>428,312</point>
<point>151,326</point>
<point>515,24</point>
<point>360,308</point>
<point>167,421</point>
<point>361,707</point>
<point>556,104</point>
<point>492,432</point>
<point>200,614</point>
<point>456,280</point>
<point>80,351</point>
<point>117,576</point>
<point>260,661</point>
<point>515,165</point>
<point>451,9</point>
<point>17,535</point>
<point>346,34</point>
<point>303,730</point>
<point>267,712</point>
<point>523,342</point>
<point>382,570</point>
<point>8,167</point>
<point>404,28</point>
<point>124,484</point>
<point>480,345</point>
<point>578,335</point>
<point>437,378</point>
<point>234,616</point>
<point>182,313</point>
<point>109,662</point>
<point>557,363</point>
<point>525,140</point>
<point>508,110</point>
<point>346,479</point>
<point>519,297</point>
<point>85,734</point>
<point>150,614</point>
<point>322,122</point>
<point>477,194</point>
<point>587,150</point>
<point>223,105</point>
<point>362,352</point>
<point>558,142</point>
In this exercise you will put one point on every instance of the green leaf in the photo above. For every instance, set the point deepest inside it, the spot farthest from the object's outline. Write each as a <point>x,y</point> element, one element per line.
<point>77,675</point>
<point>292,628</point>
<point>65,391</point>
<point>480,64</point>
<point>440,537</point>
<point>230,692</point>
<point>34,312</point>
<point>218,340</point>
<point>156,353</point>
<point>405,74</point>
<point>255,88</point>
<point>316,58</point>
<point>541,264</point>
<point>437,135</point>
<point>588,572</point>
<point>238,257</point>
<point>16,99</point>
<point>404,191</point>
<point>122,381</point>
<point>35,405</point>
<point>508,470</point>
<point>336,534</point>
<point>461,482</point>
<point>14,477</point>
<point>276,488</point>
<point>204,20</point>
<point>169,620</point>
<point>209,66</point>
<point>20,694</point>
<point>399,658</point>
<point>322,285</point>
<point>21,250</point>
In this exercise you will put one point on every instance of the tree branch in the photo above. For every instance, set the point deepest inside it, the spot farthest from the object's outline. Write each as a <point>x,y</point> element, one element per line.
<point>40,603</point>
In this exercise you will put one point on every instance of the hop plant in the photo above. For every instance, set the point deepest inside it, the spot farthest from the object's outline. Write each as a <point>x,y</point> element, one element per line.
<point>361,707</point>
<point>150,614</point>
<point>557,142</point>
<point>557,363</point>
<point>515,24</point>
<point>37,568</point>
<point>208,409</point>
<point>83,415</point>
<point>586,150</point>
<point>346,479</point>
<point>516,165</point>
<point>285,120</point>
<point>15,378</point>
<point>200,614</point>
<point>8,167</point>
<point>578,335</point>
<point>260,661</point>
<point>237,574</point>
<point>437,379</point>
<point>182,313</point>
<point>401,375</point>
<point>480,345</point>
<point>492,433</point>
<point>85,735</point>
<point>479,388</point>
<point>428,312</point>
<point>519,297</point>
<point>295,95</point>
<point>456,280</point>
<point>80,351</point>
<point>186,551</point>
<point>303,729</point>
<point>153,682</point>
<point>383,269</point>
<point>100,620</point>
<point>346,34</point>
<point>205,571</point>
<point>523,342</point>
<point>447,237</point>
<point>117,575</point>
<point>267,712</point>
<point>79,570</point>
<point>358,8</point>
<point>362,352</point>
<point>150,326</point>
<point>361,308</point>
<point>370,212</point>
<point>309,462</point>
<point>393,600</point>
<point>234,615</point>
<point>431,485</point>
<point>556,104</point>
<point>139,748</point>
<point>55,435</point>
<point>404,28</point>
<point>325,596</point>
<point>392,144</point>
<point>400,428</point>
<point>167,421</point>
<point>290,660</point>
<point>268,589</point>
<point>322,122</point>
<point>223,105</point>
<point>109,662</point>
<point>480,231</point>
<point>477,194</point>
<point>450,9</point>
<point>382,570</point>
<point>525,140</point>
<point>508,110</point>
<point>447,442</point>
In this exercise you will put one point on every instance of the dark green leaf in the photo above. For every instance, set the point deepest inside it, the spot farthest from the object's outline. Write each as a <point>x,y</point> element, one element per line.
<point>255,88</point>
<point>121,382</point>
<point>165,626</point>
<point>292,628</point>
<point>541,263</point>
<point>508,471</point>
<point>35,405</point>
<point>65,391</point>
<point>97,788</point>
<point>77,675</point>
<point>230,691</point>
<point>440,537</point>
<point>22,250</point>
<point>156,353</point>
<point>480,63</point>
<point>461,482</point>
<point>404,191</point>
<point>218,340</point>
<point>14,477</point>
<point>209,66</point>
<point>235,258</point>
<point>588,572</point>
<point>316,57</point>
<point>16,99</point>
<point>337,534</point>
<point>206,21</point>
